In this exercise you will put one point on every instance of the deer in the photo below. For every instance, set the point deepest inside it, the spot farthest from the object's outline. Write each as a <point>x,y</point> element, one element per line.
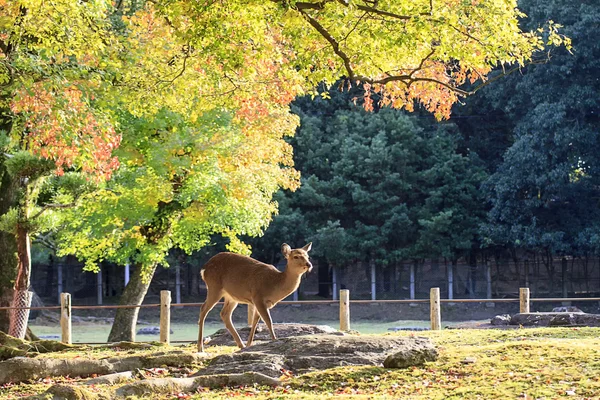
<point>242,279</point>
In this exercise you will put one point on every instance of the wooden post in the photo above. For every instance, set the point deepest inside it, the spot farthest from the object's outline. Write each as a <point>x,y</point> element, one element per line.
<point>373,281</point>
<point>564,266</point>
<point>99,287</point>
<point>65,318</point>
<point>126,274</point>
<point>524,300</point>
<point>178,284</point>
<point>165,316</point>
<point>412,281</point>
<point>488,278</point>
<point>59,278</point>
<point>434,304</point>
<point>450,280</point>
<point>334,282</point>
<point>344,310</point>
<point>250,314</point>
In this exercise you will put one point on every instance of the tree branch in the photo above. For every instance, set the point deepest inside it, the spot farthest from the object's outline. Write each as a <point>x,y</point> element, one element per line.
<point>51,205</point>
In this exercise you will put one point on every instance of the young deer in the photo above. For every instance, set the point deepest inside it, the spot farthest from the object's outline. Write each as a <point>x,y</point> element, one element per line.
<point>241,279</point>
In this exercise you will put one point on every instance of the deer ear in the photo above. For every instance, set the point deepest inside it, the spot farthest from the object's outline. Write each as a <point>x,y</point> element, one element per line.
<point>285,250</point>
<point>307,247</point>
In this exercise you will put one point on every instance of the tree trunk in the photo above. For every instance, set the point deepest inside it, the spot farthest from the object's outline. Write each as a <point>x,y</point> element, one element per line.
<point>123,328</point>
<point>21,294</point>
<point>8,249</point>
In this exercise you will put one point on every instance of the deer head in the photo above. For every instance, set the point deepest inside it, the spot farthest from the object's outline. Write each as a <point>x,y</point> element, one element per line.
<point>297,259</point>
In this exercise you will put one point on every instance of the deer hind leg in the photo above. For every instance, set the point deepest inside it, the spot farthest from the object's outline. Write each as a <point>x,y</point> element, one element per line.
<point>226,312</point>
<point>266,316</point>
<point>255,319</point>
<point>212,298</point>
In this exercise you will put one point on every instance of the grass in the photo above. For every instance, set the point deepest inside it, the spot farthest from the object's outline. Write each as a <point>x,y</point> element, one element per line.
<point>541,363</point>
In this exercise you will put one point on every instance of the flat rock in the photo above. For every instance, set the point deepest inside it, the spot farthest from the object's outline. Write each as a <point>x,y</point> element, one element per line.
<point>222,337</point>
<point>503,319</point>
<point>566,309</point>
<point>556,319</point>
<point>302,354</point>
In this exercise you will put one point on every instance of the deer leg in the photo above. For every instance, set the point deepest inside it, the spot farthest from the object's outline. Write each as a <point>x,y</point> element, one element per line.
<point>209,304</point>
<point>226,312</point>
<point>266,316</point>
<point>255,319</point>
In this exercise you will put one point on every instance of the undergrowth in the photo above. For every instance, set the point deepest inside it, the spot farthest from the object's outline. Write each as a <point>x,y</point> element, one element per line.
<point>543,363</point>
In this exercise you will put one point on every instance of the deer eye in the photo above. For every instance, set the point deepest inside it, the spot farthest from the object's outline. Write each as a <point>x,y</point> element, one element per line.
<point>296,257</point>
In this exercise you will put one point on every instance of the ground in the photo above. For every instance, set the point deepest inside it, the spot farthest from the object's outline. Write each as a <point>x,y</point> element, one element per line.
<point>539,363</point>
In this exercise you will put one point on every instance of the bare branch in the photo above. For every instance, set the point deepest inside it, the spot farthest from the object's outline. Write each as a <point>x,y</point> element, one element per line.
<point>45,241</point>
<point>50,206</point>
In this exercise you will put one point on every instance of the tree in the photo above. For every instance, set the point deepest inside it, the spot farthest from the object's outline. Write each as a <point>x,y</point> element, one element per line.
<point>69,67</point>
<point>377,187</point>
<point>49,121</point>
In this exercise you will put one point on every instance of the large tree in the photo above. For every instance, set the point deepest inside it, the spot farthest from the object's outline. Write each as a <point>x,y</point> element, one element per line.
<point>544,193</point>
<point>49,121</point>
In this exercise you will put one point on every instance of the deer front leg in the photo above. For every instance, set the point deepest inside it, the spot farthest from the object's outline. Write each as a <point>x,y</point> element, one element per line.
<point>254,325</point>
<point>226,312</point>
<point>266,316</point>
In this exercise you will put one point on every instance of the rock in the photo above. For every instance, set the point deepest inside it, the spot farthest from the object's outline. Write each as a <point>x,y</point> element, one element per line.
<point>150,330</point>
<point>403,328</point>
<point>558,319</point>
<point>567,309</point>
<point>469,360</point>
<point>563,319</point>
<point>531,319</point>
<point>110,379</point>
<point>413,354</point>
<point>223,338</point>
<point>503,319</point>
<point>186,385</point>
<point>48,337</point>
<point>68,392</point>
<point>301,354</point>
<point>21,369</point>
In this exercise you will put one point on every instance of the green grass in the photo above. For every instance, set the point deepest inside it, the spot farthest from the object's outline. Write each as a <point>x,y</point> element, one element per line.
<point>541,363</point>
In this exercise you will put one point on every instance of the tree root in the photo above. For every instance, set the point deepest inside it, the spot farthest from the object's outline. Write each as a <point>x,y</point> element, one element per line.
<point>186,385</point>
<point>13,347</point>
<point>22,369</point>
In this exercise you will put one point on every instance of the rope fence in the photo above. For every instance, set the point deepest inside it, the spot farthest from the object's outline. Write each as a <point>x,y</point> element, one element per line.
<point>344,302</point>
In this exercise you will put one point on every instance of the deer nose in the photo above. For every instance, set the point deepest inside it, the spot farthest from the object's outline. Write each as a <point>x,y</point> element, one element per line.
<point>309,266</point>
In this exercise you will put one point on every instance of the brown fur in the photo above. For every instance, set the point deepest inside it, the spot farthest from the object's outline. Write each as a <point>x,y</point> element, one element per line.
<point>241,279</point>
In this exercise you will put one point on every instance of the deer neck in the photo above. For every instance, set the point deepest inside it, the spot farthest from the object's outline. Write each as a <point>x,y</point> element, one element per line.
<point>289,282</point>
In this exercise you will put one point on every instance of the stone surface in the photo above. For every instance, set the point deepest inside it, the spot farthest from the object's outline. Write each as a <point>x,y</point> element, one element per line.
<point>566,309</point>
<point>503,319</point>
<point>150,330</point>
<point>556,319</point>
<point>222,337</point>
<point>412,354</point>
<point>21,369</point>
<point>407,328</point>
<point>317,352</point>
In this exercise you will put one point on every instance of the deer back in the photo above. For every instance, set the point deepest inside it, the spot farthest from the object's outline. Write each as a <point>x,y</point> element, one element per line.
<point>241,277</point>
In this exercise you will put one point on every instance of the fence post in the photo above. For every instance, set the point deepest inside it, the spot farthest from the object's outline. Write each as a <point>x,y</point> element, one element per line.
<point>250,314</point>
<point>524,300</point>
<point>165,316</point>
<point>434,304</point>
<point>65,318</point>
<point>344,310</point>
